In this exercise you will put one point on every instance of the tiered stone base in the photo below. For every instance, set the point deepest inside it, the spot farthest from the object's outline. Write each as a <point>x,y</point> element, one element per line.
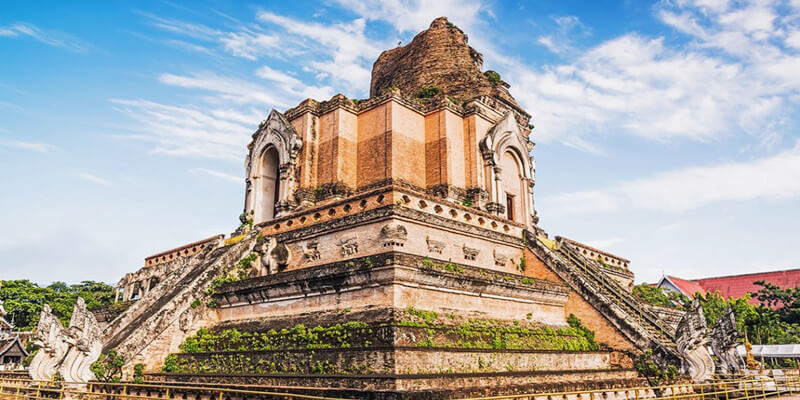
<point>421,386</point>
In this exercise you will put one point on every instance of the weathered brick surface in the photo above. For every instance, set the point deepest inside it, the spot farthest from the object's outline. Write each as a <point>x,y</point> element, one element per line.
<point>438,56</point>
<point>605,333</point>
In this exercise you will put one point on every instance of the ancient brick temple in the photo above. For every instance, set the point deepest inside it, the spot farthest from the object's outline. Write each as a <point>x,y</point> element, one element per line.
<point>390,247</point>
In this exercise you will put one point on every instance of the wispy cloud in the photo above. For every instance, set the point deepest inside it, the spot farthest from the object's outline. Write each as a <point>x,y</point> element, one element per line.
<point>197,31</point>
<point>218,174</point>
<point>417,14</point>
<point>771,178</point>
<point>251,45</point>
<point>93,178</point>
<point>347,54</point>
<point>736,76</point>
<point>40,147</point>
<point>48,37</point>
<point>560,41</point>
<point>186,130</point>
<point>228,89</point>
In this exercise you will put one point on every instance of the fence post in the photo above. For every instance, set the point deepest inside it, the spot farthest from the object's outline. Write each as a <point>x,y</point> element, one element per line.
<point>725,386</point>
<point>746,395</point>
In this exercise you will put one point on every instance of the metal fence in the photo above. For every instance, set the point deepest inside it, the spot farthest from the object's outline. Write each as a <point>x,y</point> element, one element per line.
<point>721,388</point>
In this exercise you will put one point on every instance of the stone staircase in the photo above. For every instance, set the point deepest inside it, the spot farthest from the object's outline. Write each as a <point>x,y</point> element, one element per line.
<point>167,308</point>
<point>640,325</point>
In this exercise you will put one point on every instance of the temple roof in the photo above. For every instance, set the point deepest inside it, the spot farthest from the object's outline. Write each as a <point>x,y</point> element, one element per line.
<point>440,57</point>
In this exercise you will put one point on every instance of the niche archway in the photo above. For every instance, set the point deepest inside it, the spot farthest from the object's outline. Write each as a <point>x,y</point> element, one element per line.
<point>267,190</point>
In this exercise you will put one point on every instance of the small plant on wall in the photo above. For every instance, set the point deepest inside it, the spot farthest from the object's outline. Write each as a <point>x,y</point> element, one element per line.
<point>108,367</point>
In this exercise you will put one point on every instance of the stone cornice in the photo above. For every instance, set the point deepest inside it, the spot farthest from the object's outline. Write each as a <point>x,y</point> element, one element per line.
<point>387,269</point>
<point>487,107</point>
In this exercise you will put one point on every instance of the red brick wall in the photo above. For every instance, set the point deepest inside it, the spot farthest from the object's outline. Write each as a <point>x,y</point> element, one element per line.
<point>604,332</point>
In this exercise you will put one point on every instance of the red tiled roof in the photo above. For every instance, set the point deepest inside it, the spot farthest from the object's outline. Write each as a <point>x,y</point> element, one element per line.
<point>739,285</point>
<point>689,288</point>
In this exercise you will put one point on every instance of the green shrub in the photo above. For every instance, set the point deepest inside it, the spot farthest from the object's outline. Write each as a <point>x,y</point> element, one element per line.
<point>138,373</point>
<point>426,92</point>
<point>171,364</point>
<point>108,367</point>
<point>492,76</point>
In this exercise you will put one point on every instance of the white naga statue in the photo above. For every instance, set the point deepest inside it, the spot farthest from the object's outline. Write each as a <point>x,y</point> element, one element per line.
<point>724,339</point>
<point>68,351</point>
<point>693,340</point>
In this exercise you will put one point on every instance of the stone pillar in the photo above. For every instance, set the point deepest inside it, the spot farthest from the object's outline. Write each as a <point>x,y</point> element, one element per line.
<point>532,210</point>
<point>498,183</point>
<point>286,178</point>
<point>255,201</point>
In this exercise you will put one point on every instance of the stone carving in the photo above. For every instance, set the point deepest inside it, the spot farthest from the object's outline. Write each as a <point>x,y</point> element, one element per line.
<point>495,208</point>
<point>50,338</point>
<point>69,351</point>
<point>348,246</point>
<point>499,259</point>
<point>470,253</point>
<point>262,247</point>
<point>135,331</point>
<point>692,340</point>
<point>724,339</point>
<point>393,235</point>
<point>435,246</point>
<point>312,253</point>
<point>273,257</point>
<point>280,255</point>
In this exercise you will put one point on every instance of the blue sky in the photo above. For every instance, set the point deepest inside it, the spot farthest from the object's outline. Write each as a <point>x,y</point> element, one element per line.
<point>666,132</point>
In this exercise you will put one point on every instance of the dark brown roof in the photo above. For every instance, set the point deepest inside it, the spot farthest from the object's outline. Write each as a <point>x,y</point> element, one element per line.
<point>9,343</point>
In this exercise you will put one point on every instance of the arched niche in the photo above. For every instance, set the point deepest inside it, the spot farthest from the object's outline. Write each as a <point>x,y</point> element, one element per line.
<point>266,182</point>
<point>271,168</point>
<point>509,170</point>
<point>513,186</point>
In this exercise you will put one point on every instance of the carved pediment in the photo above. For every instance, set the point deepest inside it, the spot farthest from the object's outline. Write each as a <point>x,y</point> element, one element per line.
<point>278,132</point>
<point>506,135</point>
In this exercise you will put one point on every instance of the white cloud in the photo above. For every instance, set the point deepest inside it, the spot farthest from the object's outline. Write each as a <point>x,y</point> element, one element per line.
<point>93,178</point>
<point>197,31</point>
<point>48,37</point>
<point>772,178</point>
<point>25,145</point>
<point>347,54</point>
<point>228,89</point>
<point>793,39</point>
<point>416,15</point>
<point>218,174</point>
<point>185,130</point>
<point>251,45</point>
<point>639,85</point>
<point>294,86</point>
<point>551,44</point>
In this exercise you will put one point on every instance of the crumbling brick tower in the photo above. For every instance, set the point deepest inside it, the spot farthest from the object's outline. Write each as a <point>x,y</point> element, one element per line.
<point>396,251</point>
